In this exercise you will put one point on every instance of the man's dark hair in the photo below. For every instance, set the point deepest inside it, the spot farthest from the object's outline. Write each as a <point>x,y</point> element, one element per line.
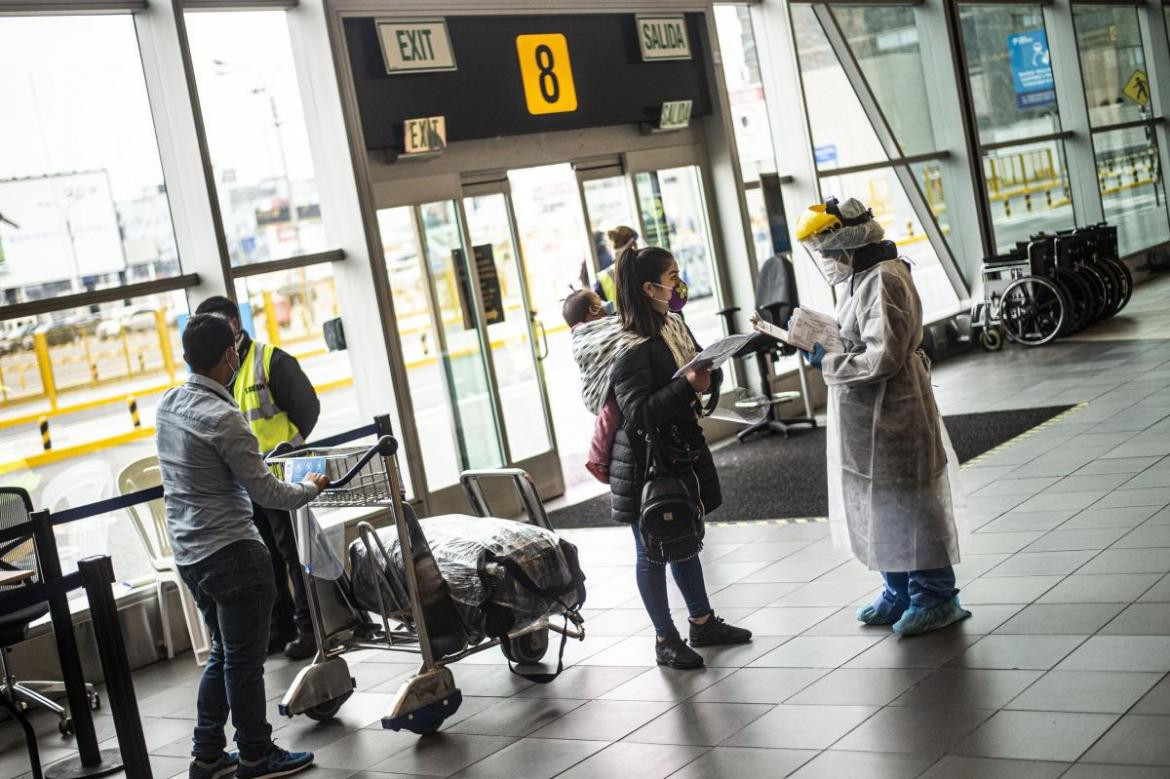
<point>218,304</point>
<point>576,307</point>
<point>205,339</point>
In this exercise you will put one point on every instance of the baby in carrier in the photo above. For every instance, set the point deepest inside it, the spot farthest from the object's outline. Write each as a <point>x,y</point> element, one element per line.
<point>597,339</point>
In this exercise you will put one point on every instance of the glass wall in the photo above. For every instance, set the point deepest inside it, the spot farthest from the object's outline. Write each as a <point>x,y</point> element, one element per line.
<point>256,134</point>
<point>884,43</point>
<point>1117,91</point>
<point>1013,89</point>
<point>81,188</point>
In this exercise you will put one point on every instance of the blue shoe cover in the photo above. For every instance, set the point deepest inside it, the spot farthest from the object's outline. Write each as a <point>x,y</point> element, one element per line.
<point>918,621</point>
<point>881,611</point>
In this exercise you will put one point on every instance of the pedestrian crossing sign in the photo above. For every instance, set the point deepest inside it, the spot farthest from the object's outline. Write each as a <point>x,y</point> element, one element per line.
<point>1137,88</point>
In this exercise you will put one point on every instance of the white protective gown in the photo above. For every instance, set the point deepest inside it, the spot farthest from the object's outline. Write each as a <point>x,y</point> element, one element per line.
<point>891,469</point>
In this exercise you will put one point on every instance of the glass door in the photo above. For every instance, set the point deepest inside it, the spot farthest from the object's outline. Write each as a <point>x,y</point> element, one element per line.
<point>674,216</point>
<point>516,335</point>
<point>442,343</point>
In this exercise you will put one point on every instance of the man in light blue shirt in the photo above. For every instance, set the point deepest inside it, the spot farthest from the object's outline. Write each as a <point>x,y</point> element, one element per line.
<point>211,472</point>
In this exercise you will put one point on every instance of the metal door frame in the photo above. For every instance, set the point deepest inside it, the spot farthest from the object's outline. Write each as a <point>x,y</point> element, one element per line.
<point>498,184</point>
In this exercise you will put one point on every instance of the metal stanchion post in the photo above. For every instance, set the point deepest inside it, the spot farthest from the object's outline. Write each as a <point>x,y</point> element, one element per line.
<point>97,574</point>
<point>91,761</point>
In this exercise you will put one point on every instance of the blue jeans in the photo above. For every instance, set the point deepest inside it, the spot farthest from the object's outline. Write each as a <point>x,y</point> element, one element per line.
<point>921,589</point>
<point>235,591</point>
<point>688,575</point>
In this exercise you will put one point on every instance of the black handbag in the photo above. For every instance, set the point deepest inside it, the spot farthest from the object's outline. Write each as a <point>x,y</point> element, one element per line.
<point>671,519</point>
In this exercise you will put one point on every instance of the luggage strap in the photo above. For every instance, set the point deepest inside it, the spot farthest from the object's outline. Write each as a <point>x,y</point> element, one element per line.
<point>551,593</point>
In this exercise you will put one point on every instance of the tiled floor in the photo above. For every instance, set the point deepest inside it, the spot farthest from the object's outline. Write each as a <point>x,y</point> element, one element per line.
<point>1064,670</point>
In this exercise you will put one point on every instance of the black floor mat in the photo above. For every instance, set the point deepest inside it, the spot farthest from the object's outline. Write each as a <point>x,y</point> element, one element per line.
<point>775,477</point>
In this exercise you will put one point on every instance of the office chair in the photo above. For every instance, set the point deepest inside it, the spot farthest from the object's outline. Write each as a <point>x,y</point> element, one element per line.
<point>20,554</point>
<point>776,299</point>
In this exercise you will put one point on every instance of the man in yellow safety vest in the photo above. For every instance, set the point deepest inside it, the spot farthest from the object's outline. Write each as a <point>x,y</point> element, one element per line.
<point>280,404</point>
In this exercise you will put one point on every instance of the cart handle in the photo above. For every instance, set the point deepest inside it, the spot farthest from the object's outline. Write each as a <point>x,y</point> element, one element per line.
<point>385,446</point>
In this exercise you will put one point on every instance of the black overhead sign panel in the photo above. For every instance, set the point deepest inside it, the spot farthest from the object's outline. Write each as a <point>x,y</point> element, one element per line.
<point>507,75</point>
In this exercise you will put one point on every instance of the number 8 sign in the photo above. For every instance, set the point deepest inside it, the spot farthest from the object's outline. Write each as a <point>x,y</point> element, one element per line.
<point>546,73</point>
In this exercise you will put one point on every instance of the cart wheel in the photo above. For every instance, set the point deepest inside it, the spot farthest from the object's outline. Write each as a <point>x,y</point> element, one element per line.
<point>527,649</point>
<point>1078,296</point>
<point>1115,284</point>
<point>1125,277</point>
<point>65,726</point>
<point>428,729</point>
<point>323,712</point>
<point>991,339</point>
<point>1033,310</point>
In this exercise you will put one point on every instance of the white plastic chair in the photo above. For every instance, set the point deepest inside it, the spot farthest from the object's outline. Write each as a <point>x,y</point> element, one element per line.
<point>144,474</point>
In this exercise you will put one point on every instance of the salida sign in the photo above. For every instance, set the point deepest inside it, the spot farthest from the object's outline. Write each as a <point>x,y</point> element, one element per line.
<point>663,38</point>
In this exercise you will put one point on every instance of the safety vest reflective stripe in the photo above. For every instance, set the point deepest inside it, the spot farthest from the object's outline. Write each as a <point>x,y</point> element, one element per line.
<point>608,284</point>
<point>254,397</point>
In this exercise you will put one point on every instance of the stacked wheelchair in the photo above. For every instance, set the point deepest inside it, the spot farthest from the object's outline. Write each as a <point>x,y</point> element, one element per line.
<point>1051,286</point>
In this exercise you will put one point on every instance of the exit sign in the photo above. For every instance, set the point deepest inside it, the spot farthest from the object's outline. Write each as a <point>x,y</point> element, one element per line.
<point>416,46</point>
<point>663,38</point>
<point>425,135</point>
<point>675,115</point>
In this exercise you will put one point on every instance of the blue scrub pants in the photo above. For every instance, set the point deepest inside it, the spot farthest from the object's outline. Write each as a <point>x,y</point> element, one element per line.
<point>921,589</point>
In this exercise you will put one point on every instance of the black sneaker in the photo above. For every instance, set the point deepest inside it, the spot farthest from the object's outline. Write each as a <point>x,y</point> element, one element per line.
<point>674,653</point>
<point>302,647</point>
<point>278,640</point>
<point>716,632</point>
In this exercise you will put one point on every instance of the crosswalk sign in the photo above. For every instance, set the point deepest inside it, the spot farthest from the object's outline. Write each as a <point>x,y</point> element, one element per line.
<point>1137,88</point>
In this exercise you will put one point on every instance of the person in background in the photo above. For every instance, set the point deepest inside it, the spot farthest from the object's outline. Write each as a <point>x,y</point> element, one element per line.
<point>651,399</point>
<point>281,405</point>
<point>622,238</point>
<point>892,473</point>
<point>212,473</point>
<point>580,309</point>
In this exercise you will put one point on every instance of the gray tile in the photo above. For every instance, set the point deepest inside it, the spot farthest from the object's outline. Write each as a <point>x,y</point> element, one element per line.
<point>785,620</point>
<point>1026,487</point>
<point>816,652</point>
<point>1020,521</point>
<point>1096,771</point>
<point>1031,735</point>
<point>360,749</point>
<point>1081,482</point>
<point>1097,692</point>
<point>1141,619</point>
<point>1119,465</point>
<point>1126,498</point>
<point>801,727</point>
<point>442,754</point>
<point>1023,652</point>
<point>666,684</point>
<point>739,655</point>
<point>1133,653</point>
<point>699,724</point>
<point>616,622</point>
<point>768,551</point>
<point>929,651</point>
<point>843,622</point>
<point>914,730</point>
<point>1145,536</point>
<point>516,716</point>
<point>584,681</point>
<point>760,685</point>
<point>859,686</point>
<point>1076,540</point>
<point>827,593</point>
<point>967,688</point>
<point>1159,593</point>
<point>997,543</point>
<point>1056,501</point>
<point>1157,700</point>
<point>954,767</point>
<point>650,761</point>
<point>1134,740</point>
<point>1042,563</point>
<point>744,594</point>
<point>1110,517</point>
<point>1007,589</point>
<point>1100,588</point>
<point>635,651</point>
<point>533,758</point>
<point>604,720</point>
<point>723,762</point>
<point>1060,619</point>
<point>834,764</point>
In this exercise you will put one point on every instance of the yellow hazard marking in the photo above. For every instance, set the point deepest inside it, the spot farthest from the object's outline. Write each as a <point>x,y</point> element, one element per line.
<point>546,73</point>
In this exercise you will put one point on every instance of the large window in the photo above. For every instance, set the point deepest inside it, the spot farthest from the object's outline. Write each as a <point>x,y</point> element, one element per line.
<point>1117,91</point>
<point>865,87</point>
<point>1013,90</point>
<point>256,134</point>
<point>81,188</point>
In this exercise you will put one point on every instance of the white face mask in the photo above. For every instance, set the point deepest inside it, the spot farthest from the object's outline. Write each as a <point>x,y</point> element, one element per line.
<point>834,270</point>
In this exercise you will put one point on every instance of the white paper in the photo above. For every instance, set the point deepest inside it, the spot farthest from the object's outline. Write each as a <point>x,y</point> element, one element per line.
<point>807,329</point>
<point>716,354</point>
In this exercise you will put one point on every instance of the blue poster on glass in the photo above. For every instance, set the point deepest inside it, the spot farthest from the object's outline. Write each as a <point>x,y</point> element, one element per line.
<point>825,154</point>
<point>1032,69</point>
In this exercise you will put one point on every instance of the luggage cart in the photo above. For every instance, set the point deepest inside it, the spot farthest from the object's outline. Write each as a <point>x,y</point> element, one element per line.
<point>428,625</point>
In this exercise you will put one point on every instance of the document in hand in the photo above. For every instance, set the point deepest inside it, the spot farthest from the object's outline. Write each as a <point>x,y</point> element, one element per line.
<point>715,355</point>
<point>806,329</point>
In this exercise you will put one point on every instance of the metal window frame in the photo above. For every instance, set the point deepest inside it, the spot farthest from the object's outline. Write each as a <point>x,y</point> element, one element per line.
<point>287,263</point>
<point>198,6</point>
<point>912,159</point>
<point>70,7</point>
<point>108,295</point>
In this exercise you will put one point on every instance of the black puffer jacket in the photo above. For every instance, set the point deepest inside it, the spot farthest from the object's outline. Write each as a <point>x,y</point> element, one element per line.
<point>648,395</point>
